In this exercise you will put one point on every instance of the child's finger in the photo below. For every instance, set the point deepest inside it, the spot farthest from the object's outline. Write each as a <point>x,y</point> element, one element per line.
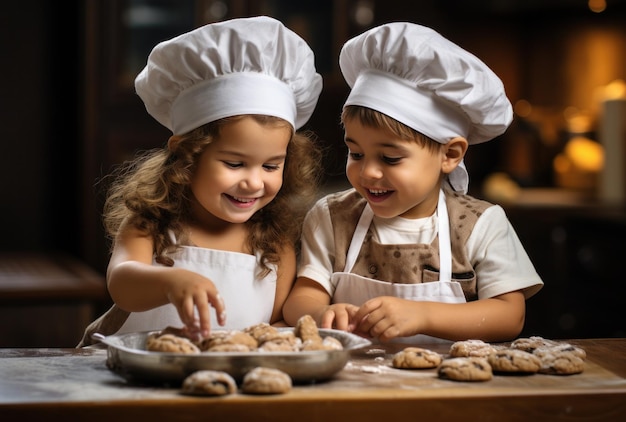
<point>220,309</point>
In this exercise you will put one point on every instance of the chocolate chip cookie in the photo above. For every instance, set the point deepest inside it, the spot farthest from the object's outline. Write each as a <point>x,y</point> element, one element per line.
<point>416,358</point>
<point>472,368</point>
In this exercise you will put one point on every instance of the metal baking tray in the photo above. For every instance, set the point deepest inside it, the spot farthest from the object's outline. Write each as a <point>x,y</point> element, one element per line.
<point>127,356</point>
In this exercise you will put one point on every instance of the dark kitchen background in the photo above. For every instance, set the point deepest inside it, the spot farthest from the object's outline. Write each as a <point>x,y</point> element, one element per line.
<point>69,114</point>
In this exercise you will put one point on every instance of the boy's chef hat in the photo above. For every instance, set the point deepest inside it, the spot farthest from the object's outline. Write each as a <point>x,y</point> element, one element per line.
<point>414,75</point>
<point>240,66</point>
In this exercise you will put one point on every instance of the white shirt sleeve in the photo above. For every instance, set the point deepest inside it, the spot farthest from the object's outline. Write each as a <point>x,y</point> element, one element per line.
<point>498,257</point>
<point>318,246</point>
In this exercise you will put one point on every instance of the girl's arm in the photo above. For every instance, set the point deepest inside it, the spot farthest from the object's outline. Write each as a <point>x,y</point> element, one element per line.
<point>136,285</point>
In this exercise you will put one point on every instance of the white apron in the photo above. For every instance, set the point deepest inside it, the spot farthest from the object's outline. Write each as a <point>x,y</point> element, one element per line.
<point>248,300</point>
<point>355,289</point>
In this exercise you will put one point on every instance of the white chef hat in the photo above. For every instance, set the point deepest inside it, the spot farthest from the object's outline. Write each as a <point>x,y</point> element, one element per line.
<point>414,75</point>
<point>240,66</point>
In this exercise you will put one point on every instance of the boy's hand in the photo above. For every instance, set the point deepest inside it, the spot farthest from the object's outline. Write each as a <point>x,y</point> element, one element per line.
<point>386,318</point>
<point>339,316</point>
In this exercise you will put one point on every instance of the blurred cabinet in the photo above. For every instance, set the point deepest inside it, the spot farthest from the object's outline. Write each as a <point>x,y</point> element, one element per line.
<point>578,251</point>
<point>47,299</point>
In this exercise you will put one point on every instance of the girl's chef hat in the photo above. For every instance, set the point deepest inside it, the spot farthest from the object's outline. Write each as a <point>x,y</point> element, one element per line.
<point>241,66</point>
<point>414,75</point>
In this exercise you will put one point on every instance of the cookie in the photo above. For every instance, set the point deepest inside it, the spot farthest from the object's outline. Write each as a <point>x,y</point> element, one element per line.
<point>262,380</point>
<point>229,337</point>
<point>170,343</point>
<point>287,337</point>
<point>555,361</point>
<point>564,347</point>
<point>279,341</point>
<point>529,344</point>
<point>228,347</point>
<point>209,383</point>
<point>331,343</point>
<point>328,343</point>
<point>468,348</point>
<point>514,361</point>
<point>416,358</point>
<point>260,330</point>
<point>471,368</point>
<point>306,329</point>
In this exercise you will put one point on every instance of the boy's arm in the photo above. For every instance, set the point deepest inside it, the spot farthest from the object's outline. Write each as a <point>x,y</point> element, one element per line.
<point>500,318</point>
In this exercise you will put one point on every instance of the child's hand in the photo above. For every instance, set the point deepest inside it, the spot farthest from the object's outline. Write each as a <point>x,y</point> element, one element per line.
<point>195,292</point>
<point>386,318</point>
<point>339,316</point>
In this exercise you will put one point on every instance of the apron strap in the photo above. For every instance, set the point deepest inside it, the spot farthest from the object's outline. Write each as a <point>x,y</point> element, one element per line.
<point>358,237</point>
<point>445,250</point>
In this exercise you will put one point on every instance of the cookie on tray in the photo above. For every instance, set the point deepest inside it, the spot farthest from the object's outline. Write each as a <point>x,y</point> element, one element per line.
<point>220,338</point>
<point>170,343</point>
<point>262,380</point>
<point>209,383</point>
<point>471,368</point>
<point>306,329</point>
<point>416,358</point>
<point>471,347</point>
<point>260,330</point>
<point>328,343</point>
<point>514,361</point>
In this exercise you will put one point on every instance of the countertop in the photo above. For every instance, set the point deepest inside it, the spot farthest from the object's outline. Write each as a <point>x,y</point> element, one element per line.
<point>66,383</point>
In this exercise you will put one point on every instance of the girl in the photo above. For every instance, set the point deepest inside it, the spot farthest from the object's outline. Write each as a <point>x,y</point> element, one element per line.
<point>212,220</point>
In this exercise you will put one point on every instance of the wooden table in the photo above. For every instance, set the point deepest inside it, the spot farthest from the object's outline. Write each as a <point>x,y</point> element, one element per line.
<point>65,384</point>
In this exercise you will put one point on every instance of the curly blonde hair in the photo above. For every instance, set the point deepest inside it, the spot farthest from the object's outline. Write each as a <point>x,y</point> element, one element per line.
<point>152,193</point>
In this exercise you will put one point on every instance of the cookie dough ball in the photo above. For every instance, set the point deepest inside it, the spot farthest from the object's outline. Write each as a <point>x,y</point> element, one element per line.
<point>170,343</point>
<point>260,330</point>
<point>280,341</point>
<point>514,361</point>
<point>306,329</point>
<point>328,343</point>
<point>209,383</point>
<point>262,380</point>
<point>471,368</point>
<point>229,337</point>
<point>416,358</point>
<point>468,348</point>
<point>331,343</point>
<point>555,361</point>
<point>228,348</point>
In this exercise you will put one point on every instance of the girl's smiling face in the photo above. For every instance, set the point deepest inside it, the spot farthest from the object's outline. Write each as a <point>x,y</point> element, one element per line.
<point>397,177</point>
<point>240,171</point>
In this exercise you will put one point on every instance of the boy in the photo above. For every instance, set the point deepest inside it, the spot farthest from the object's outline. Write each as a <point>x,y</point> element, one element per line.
<point>406,254</point>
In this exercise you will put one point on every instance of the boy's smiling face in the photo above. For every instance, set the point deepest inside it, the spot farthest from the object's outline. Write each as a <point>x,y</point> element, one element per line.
<point>397,177</point>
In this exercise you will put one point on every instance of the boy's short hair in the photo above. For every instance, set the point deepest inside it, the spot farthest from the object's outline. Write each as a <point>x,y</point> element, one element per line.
<point>371,118</point>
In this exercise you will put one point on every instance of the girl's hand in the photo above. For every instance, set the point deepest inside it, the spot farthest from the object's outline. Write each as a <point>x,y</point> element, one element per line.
<point>386,318</point>
<point>193,292</point>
